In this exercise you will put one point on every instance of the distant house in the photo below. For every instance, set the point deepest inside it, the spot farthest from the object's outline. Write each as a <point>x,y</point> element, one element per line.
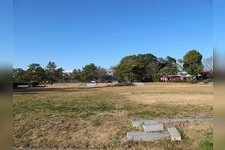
<point>170,78</point>
<point>180,76</point>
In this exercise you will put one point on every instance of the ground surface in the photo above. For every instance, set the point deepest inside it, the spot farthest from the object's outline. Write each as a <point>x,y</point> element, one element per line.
<point>74,116</point>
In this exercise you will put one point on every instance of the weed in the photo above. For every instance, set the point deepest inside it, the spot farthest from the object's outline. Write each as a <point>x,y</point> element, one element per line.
<point>206,145</point>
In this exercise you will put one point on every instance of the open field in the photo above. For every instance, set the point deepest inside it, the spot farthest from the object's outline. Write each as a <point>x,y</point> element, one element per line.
<point>74,116</point>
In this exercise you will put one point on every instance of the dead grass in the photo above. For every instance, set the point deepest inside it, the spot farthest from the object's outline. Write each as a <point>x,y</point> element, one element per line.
<point>73,116</point>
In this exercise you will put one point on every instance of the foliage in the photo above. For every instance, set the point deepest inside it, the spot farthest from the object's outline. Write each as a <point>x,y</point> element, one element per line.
<point>145,67</point>
<point>101,74</point>
<point>34,73</point>
<point>18,75</point>
<point>170,66</point>
<point>76,75</point>
<point>138,68</point>
<point>142,67</point>
<point>192,63</point>
<point>89,73</point>
<point>51,72</point>
<point>206,145</point>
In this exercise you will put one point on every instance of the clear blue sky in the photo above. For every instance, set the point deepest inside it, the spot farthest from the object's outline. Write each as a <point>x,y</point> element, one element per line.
<point>219,29</point>
<point>74,33</point>
<point>6,32</point>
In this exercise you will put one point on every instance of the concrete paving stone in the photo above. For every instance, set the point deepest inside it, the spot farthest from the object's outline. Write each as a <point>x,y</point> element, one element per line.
<point>146,136</point>
<point>174,134</point>
<point>153,127</point>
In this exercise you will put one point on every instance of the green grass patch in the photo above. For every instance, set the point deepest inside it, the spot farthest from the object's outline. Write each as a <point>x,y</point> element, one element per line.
<point>102,106</point>
<point>86,105</point>
<point>206,145</point>
<point>60,107</point>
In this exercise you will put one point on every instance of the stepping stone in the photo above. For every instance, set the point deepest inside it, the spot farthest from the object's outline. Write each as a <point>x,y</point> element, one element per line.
<point>146,136</point>
<point>153,127</point>
<point>174,134</point>
<point>137,123</point>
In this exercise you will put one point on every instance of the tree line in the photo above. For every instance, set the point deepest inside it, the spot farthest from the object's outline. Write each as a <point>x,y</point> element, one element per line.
<point>139,68</point>
<point>52,74</point>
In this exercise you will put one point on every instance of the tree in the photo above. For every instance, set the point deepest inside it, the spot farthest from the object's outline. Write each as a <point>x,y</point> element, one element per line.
<point>59,74</point>
<point>51,72</point>
<point>19,75</point>
<point>77,75</point>
<point>34,73</point>
<point>141,67</point>
<point>89,73</point>
<point>170,66</point>
<point>192,63</point>
<point>101,74</point>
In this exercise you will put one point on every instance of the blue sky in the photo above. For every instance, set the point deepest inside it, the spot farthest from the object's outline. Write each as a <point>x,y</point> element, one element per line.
<point>219,28</point>
<point>74,33</point>
<point>6,32</point>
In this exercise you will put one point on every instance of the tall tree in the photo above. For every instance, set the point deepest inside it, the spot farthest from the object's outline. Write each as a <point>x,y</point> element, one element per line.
<point>19,75</point>
<point>51,72</point>
<point>35,73</point>
<point>89,73</point>
<point>142,67</point>
<point>59,74</point>
<point>192,63</point>
<point>170,66</point>
<point>77,75</point>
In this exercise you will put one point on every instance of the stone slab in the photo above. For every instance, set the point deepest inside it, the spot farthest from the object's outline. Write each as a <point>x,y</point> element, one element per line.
<point>138,123</point>
<point>153,127</point>
<point>174,134</point>
<point>146,136</point>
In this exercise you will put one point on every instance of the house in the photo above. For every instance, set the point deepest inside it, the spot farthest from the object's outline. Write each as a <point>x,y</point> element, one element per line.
<point>180,76</point>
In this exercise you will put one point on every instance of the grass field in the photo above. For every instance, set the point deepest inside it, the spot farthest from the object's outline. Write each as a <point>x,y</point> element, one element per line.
<point>74,116</point>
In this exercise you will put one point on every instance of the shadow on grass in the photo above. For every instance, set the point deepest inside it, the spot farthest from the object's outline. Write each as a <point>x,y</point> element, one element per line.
<point>44,88</point>
<point>39,89</point>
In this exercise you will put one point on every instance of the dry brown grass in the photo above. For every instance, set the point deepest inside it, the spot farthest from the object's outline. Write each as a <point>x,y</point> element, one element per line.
<point>73,116</point>
<point>177,94</point>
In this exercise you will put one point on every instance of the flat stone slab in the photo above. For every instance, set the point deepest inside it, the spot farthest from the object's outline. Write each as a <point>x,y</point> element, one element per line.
<point>153,127</point>
<point>174,134</point>
<point>138,123</point>
<point>146,136</point>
